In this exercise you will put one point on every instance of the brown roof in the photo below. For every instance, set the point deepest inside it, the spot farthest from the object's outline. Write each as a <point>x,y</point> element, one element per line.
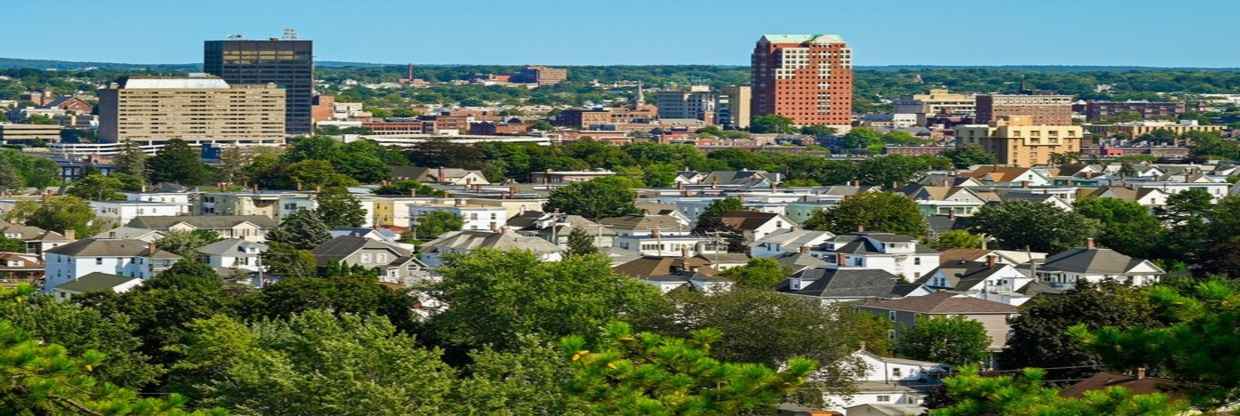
<point>961,254</point>
<point>662,266</point>
<point>746,220</point>
<point>942,303</point>
<point>1103,380</point>
<point>996,173</point>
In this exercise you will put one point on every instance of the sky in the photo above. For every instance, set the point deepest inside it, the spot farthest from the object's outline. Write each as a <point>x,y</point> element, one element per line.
<point>1187,33</point>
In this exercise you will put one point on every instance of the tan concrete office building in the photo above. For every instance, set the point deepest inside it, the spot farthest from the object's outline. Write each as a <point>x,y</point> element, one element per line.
<point>938,101</point>
<point>194,109</point>
<point>29,133</point>
<point>1055,110</point>
<point>1017,141</point>
<point>732,106</point>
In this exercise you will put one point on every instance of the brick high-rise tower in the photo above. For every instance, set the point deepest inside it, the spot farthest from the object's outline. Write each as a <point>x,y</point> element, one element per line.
<point>807,78</point>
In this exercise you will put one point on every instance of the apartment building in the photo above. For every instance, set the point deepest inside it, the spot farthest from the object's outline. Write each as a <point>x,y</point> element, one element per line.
<point>732,106</point>
<point>1103,110</point>
<point>540,75</point>
<point>1050,110</point>
<point>937,101</point>
<point>696,102</point>
<point>29,133</point>
<point>807,78</point>
<point>1137,129</point>
<point>196,108</point>
<point>1020,141</point>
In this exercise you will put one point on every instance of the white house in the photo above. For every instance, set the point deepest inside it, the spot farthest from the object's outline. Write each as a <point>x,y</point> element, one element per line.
<point>791,242</point>
<point>121,212</point>
<point>990,280</point>
<point>755,225</point>
<point>900,255</point>
<point>461,242</point>
<point>888,381</point>
<point>233,254</point>
<point>126,258</point>
<point>178,198</point>
<point>1095,265</point>
<point>95,282</point>
<point>475,217</point>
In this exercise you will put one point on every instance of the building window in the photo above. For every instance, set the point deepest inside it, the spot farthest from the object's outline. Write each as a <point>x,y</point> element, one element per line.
<point>895,372</point>
<point>98,261</point>
<point>891,315</point>
<point>917,261</point>
<point>884,399</point>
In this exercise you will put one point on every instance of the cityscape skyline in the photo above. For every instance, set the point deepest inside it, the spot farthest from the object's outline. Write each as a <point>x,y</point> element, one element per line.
<point>971,33</point>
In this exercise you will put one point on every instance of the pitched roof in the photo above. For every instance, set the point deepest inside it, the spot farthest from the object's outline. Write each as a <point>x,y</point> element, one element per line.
<point>746,220</point>
<point>503,240</point>
<point>653,266</point>
<point>962,275</point>
<point>1090,261</point>
<point>94,282</point>
<point>961,254</point>
<point>344,246</point>
<point>106,247</point>
<point>849,283</point>
<point>29,232</point>
<point>996,173</point>
<point>795,238</point>
<point>231,247</point>
<point>942,303</point>
<point>645,223</point>
<point>211,222</point>
<point>1104,380</point>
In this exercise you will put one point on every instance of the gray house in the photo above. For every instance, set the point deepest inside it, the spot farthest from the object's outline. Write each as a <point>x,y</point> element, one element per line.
<point>395,264</point>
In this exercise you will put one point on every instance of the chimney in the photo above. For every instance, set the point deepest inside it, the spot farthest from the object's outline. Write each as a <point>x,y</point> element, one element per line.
<point>990,261</point>
<point>441,175</point>
<point>151,248</point>
<point>413,192</point>
<point>1024,184</point>
<point>985,240</point>
<point>804,249</point>
<point>1089,243</point>
<point>1141,373</point>
<point>684,253</point>
<point>951,214</point>
<point>70,234</point>
<point>840,259</point>
<point>860,228</point>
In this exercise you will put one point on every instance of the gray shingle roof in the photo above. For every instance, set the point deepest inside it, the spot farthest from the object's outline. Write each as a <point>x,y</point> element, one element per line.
<point>94,282</point>
<point>1090,261</point>
<point>942,303</point>
<point>341,247</point>
<point>210,222</point>
<point>103,247</point>
<point>846,283</point>
<point>230,247</point>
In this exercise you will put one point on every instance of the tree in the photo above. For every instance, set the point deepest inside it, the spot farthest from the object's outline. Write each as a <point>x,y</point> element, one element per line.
<point>187,243</point>
<point>873,211</point>
<point>529,381</point>
<point>768,327</point>
<point>65,213</point>
<point>818,130</point>
<point>771,123</point>
<point>892,170</point>
<point>408,187</point>
<point>288,261</point>
<point>1125,226</point>
<point>1040,333</point>
<point>96,187</point>
<point>177,162</point>
<point>10,180</point>
<point>597,198</point>
<point>863,139</point>
<point>970,155</point>
<point>711,218</point>
<point>952,340</point>
<point>436,223</point>
<point>1222,255</point>
<point>317,174</point>
<point>43,378</point>
<point>12,245</point>
<point>646,373</point>
<point>313,363</point>
<point>340,209</point>
<point>1194,346</point>
<point>958,239</point>
<point>303,229</point>
<point>1027,394</point>
<point>581,242</point>
<point>497,295</point>
<point>233,161</point>
<point>758,273</point>
<point>1032,225</point>
<point>1188,234</point>
<point>132,160</point>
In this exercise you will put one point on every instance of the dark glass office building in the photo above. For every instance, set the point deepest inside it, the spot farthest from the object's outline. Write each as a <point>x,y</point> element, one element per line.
<point>288,63</point>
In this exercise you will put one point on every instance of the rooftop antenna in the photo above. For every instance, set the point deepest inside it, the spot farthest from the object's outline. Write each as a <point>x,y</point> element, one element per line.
<point>290,34</point>
<point>235,36</point>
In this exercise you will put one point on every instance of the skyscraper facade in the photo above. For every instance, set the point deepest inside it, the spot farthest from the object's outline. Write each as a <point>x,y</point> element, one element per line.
<point>806,78</point>
<point>289,63</point>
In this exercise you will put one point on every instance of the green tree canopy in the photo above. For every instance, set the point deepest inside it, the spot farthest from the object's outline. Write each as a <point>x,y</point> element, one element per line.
<point>970,155</point>
<point>96,187</point>
<point>581,242</point>
<point>1125,226</point>
<point>178,163</point>
<point>65,213</point>
<point>340,209</point>
<point>187,243</point>
<point>303,229</point>
<point>597,198</point>
<point>758,273</point>
<point>436,223</point>
<point>1027,394</point>
<point>872,211</point>
<point>771,123</point>
<point>958,239</point>
<point>952,340</point>
<point>1033,225</point>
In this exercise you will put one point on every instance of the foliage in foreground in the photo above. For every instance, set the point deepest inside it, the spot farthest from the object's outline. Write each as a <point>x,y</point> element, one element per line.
<point>1025,394</point>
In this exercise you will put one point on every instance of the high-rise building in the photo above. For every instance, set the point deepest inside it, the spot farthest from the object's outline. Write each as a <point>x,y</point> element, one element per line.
<point>1044,109</point>
<point>198,108</point>
<point>806,78</point>
<point>287,62</point>
<point>697,102</point>
<point>732,106</point>
<point>938,101</point>
<point>540,75</point>
<point>1019,141</point>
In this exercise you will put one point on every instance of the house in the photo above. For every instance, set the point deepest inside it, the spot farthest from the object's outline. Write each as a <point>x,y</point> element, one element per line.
<point>549,177</point>
<point>1135,384</point>
<point>830,285</point>
<point>892,382</point>
<point>1094,265</point>
<point>128,258</point>
<point>37,239</point>
<point>755,225</point>
<point>440,175</point>
<point>904,312</point>
<point>378,234</point>
<point>557,227</point>
<point>394,264</point>
<point>93,283</point>
<point>792,241</point>
<point>463,242</point>
<point>474,217</point>
<point>1012,257</point>
<point>274,205</point>
<point>988,280</point>
<point>743,178</point>
<point>234,254</point>
<point>900,255</point>
<point>669,273</point>
<point>1021,195</point>
<point>20,268</point>
<point>646,225</point>
<point>121,212</point>
<point>243,227</point>
<point>180,198</point>
<point>1008,175</point>
<point>876,409</point>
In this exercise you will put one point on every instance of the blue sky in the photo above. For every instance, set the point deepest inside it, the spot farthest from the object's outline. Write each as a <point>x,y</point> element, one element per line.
<point>1199,33</point>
